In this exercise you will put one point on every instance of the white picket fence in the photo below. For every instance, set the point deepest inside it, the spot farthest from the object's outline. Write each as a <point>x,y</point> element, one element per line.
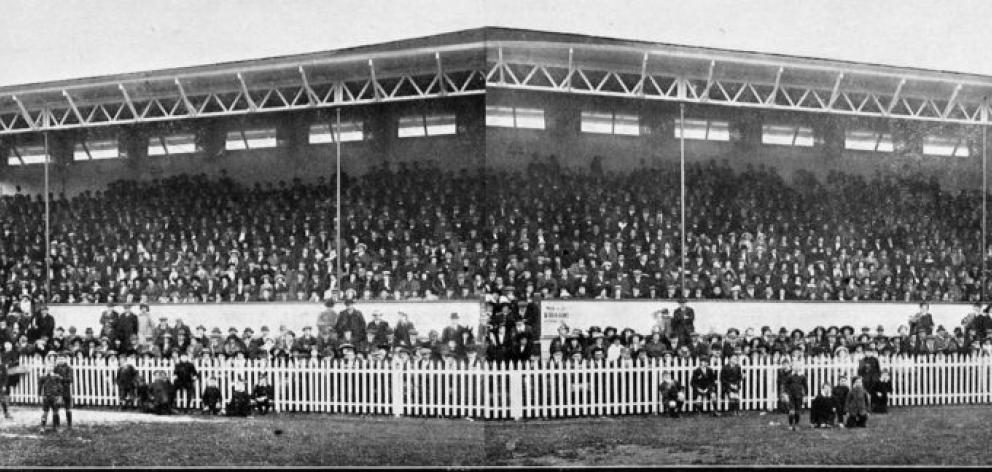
<point>502,391</point>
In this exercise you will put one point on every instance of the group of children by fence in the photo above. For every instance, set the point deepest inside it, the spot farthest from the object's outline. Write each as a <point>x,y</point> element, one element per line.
<point>160,397</point>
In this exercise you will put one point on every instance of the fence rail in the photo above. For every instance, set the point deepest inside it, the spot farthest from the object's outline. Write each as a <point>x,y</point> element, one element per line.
<point>507,390</point>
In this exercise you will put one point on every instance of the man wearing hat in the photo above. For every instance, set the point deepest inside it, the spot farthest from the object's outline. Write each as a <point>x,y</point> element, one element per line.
<point>350,319</point>
<point>327,319</point>
<point>921,322</point>
<point>381,328</point>
<point>145,326</point>
<point>453,331</point>
<point>981,322</point>
<point>201,336</point>
<point>731,379</point>
<point>683,321</point>
<point>703,385</point>
<point>162,329</point>
<point>127,324</point>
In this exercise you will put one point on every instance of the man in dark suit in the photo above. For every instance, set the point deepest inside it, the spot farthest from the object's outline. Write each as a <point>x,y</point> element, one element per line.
<point>683,322</point>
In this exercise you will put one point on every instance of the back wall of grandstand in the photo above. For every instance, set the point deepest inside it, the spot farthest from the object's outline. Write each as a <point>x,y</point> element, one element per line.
<point>514,147</point>
<point>294,157</point>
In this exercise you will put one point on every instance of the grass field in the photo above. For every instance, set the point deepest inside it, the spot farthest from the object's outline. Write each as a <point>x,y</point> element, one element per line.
<point>938,435</point>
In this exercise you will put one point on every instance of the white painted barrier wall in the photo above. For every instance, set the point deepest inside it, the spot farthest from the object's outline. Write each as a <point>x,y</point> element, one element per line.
<point>721,315</point>
<point>424,315</point>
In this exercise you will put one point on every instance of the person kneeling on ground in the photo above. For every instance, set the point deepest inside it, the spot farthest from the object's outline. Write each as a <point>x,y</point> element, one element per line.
<point>821,414</point>
<point>211,397</point>
<point>858,405</point>
<point>262,395</point>
<point>240,404</point>
<point>672,395</point>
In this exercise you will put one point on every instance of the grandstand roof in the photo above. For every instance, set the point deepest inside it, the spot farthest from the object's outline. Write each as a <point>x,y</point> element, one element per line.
<point>454,64</point>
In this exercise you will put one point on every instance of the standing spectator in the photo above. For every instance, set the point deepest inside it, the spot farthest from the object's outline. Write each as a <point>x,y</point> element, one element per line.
<point>703,383</point>
<point>350,319</point>
<point>839,395</point>
<point>794,388</point>
<point>452,332</point>
<point>146,328</point>
<point>683,322</point>
<point>127,326</point>
<point>64,371</point>
<point>50,390</point>
<point>880,398</point>
<point>327,320</point>
<point>381,327</point>
<point>922,321</point>
<point>185,376</point>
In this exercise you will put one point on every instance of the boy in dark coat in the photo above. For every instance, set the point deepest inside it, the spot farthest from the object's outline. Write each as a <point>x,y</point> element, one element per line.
<point>880,395</point>
<point>821,415</point>
<point>840,392</point>
<point>211,397</point>
<point>185,379</point>
<point>64,371</point>
<point>126,387</point>
<point>50,390</point>
<point>4,389</point>
<point>703,384</point>
<point>240,404</point>
<point>730,381</point>
<point>794,390</point>
<point>263,395</point>
<point>858,405</point>
<point>672,395</point>
<point>160,395</point>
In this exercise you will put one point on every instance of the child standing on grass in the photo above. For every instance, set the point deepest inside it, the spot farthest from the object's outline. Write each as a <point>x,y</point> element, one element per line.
<point>858,405</point>
<point>794,392</point>
<point>880,396</point>
<point>211,397</point>
<point>821,415</point>
<point>840,399</point>
<point>4,389</point>
<point>50,390</point>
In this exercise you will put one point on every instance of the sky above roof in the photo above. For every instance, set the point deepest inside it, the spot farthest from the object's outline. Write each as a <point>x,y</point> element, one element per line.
<point>44,40</point>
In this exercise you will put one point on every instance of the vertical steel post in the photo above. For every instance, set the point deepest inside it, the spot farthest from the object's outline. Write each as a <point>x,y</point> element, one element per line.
<point>985,198</point>
<point>340,255</point>
<point>682,191</point>
<point>48,223</point>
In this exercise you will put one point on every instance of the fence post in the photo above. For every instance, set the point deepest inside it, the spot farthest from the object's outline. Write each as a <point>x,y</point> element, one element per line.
<point>516,377</point>
<point>396,374</point>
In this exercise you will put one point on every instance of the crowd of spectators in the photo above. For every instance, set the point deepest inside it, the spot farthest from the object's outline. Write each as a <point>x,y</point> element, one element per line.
<point>420,232</point>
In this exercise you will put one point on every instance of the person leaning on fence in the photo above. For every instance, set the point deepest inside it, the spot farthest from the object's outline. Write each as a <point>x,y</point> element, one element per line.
<point>672,395</point>
<point>731,379</point>
<point>823,409</point>
<point>50,389</point>
<point>703,383</point>
<point>858,405</point>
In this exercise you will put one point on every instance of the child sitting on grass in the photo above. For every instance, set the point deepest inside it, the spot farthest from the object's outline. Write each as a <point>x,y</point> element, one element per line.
<point>858,405</point>
<point>821,414</point>
<point>840,399</point>
<point>211,397</point>
<point>240,404</point>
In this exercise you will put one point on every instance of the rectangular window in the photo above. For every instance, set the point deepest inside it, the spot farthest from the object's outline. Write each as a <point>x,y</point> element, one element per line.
<point>787,135</point>
<point>26,155</point>
<point>705,130</point>
<point>610,123</point>
<point>321,133</point>
<point>515,117</point>
<point>867,140</point>
<point>947,146</point>
<point>171,145</point>
<point>426,125</point>
<point>248,139</point>
<point>96,150</point>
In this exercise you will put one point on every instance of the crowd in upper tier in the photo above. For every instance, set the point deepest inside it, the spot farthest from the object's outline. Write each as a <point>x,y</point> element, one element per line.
<point>420,232</point>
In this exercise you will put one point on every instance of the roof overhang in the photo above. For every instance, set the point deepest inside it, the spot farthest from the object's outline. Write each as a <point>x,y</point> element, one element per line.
<point>467,62</point>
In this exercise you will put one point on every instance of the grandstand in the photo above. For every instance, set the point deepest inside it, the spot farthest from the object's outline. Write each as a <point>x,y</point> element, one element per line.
<point>592,180</point>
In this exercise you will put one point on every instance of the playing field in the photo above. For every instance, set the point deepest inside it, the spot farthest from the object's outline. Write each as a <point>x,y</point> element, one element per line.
<point>940,435</point>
